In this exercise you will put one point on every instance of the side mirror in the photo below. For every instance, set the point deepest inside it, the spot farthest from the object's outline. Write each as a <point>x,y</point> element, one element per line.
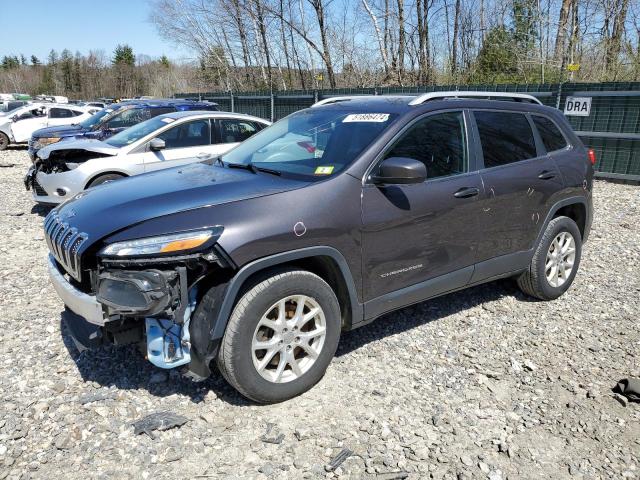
<point>15,118</point>
<point>157,144</point>
<point>400,170</point>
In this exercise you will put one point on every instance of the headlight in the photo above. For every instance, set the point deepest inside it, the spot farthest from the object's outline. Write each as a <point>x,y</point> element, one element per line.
<point>163,244</point>
<point>43,142</point>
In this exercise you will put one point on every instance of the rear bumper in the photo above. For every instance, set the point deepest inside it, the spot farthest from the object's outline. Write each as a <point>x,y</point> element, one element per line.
<point>78,302</point>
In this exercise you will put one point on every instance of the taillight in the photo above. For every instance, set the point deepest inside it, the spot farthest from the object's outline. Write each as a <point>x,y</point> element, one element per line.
<point>592,156</point>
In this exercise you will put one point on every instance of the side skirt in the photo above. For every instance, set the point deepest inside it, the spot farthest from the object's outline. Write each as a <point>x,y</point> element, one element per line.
<point>494,269</point>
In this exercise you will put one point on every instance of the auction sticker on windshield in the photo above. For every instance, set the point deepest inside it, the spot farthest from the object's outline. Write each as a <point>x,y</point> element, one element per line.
<point>324,170</point>
<point>366,117</point>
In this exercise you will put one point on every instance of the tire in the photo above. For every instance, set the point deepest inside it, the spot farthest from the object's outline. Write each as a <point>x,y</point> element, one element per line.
<point>237,360</point>
<point>106,178</point>
<point>4,141</point>
<point>535,280</point>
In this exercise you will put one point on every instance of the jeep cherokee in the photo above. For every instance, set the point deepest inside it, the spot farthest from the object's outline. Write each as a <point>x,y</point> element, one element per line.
<point>337,214</point>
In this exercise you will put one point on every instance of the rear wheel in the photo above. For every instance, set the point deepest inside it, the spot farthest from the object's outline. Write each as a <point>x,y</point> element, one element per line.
<point>106,178</point>
<point>281,337</point>
<point>4,141</point>
<point>555,261</point>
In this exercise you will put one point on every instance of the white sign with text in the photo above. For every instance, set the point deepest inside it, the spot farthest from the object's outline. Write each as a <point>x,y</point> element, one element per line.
<point>578,106</point>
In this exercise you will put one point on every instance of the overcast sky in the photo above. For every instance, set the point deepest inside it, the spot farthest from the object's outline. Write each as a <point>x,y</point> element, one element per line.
<point>34,27</point>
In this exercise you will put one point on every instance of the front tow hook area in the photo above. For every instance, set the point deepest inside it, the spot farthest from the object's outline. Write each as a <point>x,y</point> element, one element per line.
<point>28,178</point>
<point>85,335</point>
<point>168,342</point>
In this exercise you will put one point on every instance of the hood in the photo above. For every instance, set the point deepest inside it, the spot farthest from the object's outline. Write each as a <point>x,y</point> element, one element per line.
<point>108,208</point>
<point>77,146</point>
<point>59,131</point>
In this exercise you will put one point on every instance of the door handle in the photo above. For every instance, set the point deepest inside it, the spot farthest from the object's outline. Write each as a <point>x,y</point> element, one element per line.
<point>466,192</point>
<point>546,175</point>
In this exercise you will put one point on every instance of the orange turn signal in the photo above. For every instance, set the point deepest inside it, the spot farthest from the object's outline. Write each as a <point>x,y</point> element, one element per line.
<point>186,244</point>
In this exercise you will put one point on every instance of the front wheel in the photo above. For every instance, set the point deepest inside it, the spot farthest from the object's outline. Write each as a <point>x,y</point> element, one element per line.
<point>4,141</point>
<point>555,261</point>
<point>281,337</point>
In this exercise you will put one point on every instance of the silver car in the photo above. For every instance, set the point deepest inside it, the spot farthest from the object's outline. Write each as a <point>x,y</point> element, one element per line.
<point>68,167</point>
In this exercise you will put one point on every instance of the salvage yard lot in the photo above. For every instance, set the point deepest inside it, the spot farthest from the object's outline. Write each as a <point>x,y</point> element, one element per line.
<point>484,383</point>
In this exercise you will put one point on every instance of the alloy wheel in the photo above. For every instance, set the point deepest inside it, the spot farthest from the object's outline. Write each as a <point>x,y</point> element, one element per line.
<point>560,259</point>
<point>288,339</point>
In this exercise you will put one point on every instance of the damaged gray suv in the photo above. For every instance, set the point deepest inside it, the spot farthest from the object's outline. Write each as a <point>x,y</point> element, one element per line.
<point>257,260</point>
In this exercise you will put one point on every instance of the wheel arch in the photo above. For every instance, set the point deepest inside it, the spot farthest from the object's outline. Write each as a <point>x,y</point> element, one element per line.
<point>576,208</point>
<point>576,212</point>
<point>107,172</point>
<point>7,131</point>
<point>326,262</point>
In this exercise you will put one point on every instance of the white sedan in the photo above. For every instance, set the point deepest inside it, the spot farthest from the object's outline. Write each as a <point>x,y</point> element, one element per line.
<point>18,125</point>
<point>66,168</point>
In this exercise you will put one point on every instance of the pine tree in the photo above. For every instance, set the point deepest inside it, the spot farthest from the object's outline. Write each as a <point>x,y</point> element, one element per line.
<point>123,55</point>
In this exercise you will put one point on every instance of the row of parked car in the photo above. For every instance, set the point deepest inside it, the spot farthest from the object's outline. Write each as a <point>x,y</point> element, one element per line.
<point>121,140</point>
<point>255,260</point>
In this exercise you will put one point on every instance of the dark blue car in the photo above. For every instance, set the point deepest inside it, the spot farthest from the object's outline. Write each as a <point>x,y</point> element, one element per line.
<point>113,119</point>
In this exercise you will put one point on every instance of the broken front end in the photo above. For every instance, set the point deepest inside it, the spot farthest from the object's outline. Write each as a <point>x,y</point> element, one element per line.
<point>56,178</point>
<point>143,291</point>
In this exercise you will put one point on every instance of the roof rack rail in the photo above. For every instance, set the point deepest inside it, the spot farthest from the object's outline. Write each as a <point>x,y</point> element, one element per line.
<point>516,97</point>
<point>326,101</point>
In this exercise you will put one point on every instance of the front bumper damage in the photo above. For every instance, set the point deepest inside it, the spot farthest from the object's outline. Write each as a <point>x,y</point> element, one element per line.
<point>152,305</point>
<point>60,176</point>
<point>82,304</point>
<point>56,187</point>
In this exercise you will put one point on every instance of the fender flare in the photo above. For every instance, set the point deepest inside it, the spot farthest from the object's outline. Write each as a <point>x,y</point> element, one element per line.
<point>106,172</point>
<point>249,269</point>
<point>563,203</point>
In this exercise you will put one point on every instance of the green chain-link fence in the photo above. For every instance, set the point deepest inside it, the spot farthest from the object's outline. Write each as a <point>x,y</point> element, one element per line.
<point>612,127</point>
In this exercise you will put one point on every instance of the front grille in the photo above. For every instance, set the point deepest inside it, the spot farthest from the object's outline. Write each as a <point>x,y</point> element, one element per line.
<point>38,188</point>
<point>64,243</point>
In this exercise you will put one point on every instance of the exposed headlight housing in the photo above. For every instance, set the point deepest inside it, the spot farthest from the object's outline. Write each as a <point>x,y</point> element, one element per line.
<point>43,142</point>
<point>174,243</point>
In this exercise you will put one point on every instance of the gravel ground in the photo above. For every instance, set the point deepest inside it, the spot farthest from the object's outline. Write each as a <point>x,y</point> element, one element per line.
<point>483,383</point>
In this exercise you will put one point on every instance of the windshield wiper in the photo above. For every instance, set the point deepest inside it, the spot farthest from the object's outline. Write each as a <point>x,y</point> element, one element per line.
<point>266,170</point>
<point>254,168</point>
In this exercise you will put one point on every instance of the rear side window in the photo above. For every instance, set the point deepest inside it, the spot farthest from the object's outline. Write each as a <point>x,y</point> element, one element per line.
<point>233,131</point>
<point>506,137</point>
<point>551,135</point>
<point>60,113</point>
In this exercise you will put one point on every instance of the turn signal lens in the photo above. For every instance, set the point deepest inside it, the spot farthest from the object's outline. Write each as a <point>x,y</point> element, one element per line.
<point>48,141</point>
<point>592,156</point>
<point>183,244</point>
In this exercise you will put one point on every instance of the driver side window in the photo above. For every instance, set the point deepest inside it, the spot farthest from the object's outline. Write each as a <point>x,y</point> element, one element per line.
<point>191,134</point>
<point>439,141</point>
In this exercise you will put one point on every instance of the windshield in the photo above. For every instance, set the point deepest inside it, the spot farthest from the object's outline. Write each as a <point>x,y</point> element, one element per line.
<point>311,144</point>
<point>135,133</point>
<point>96,118</point>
